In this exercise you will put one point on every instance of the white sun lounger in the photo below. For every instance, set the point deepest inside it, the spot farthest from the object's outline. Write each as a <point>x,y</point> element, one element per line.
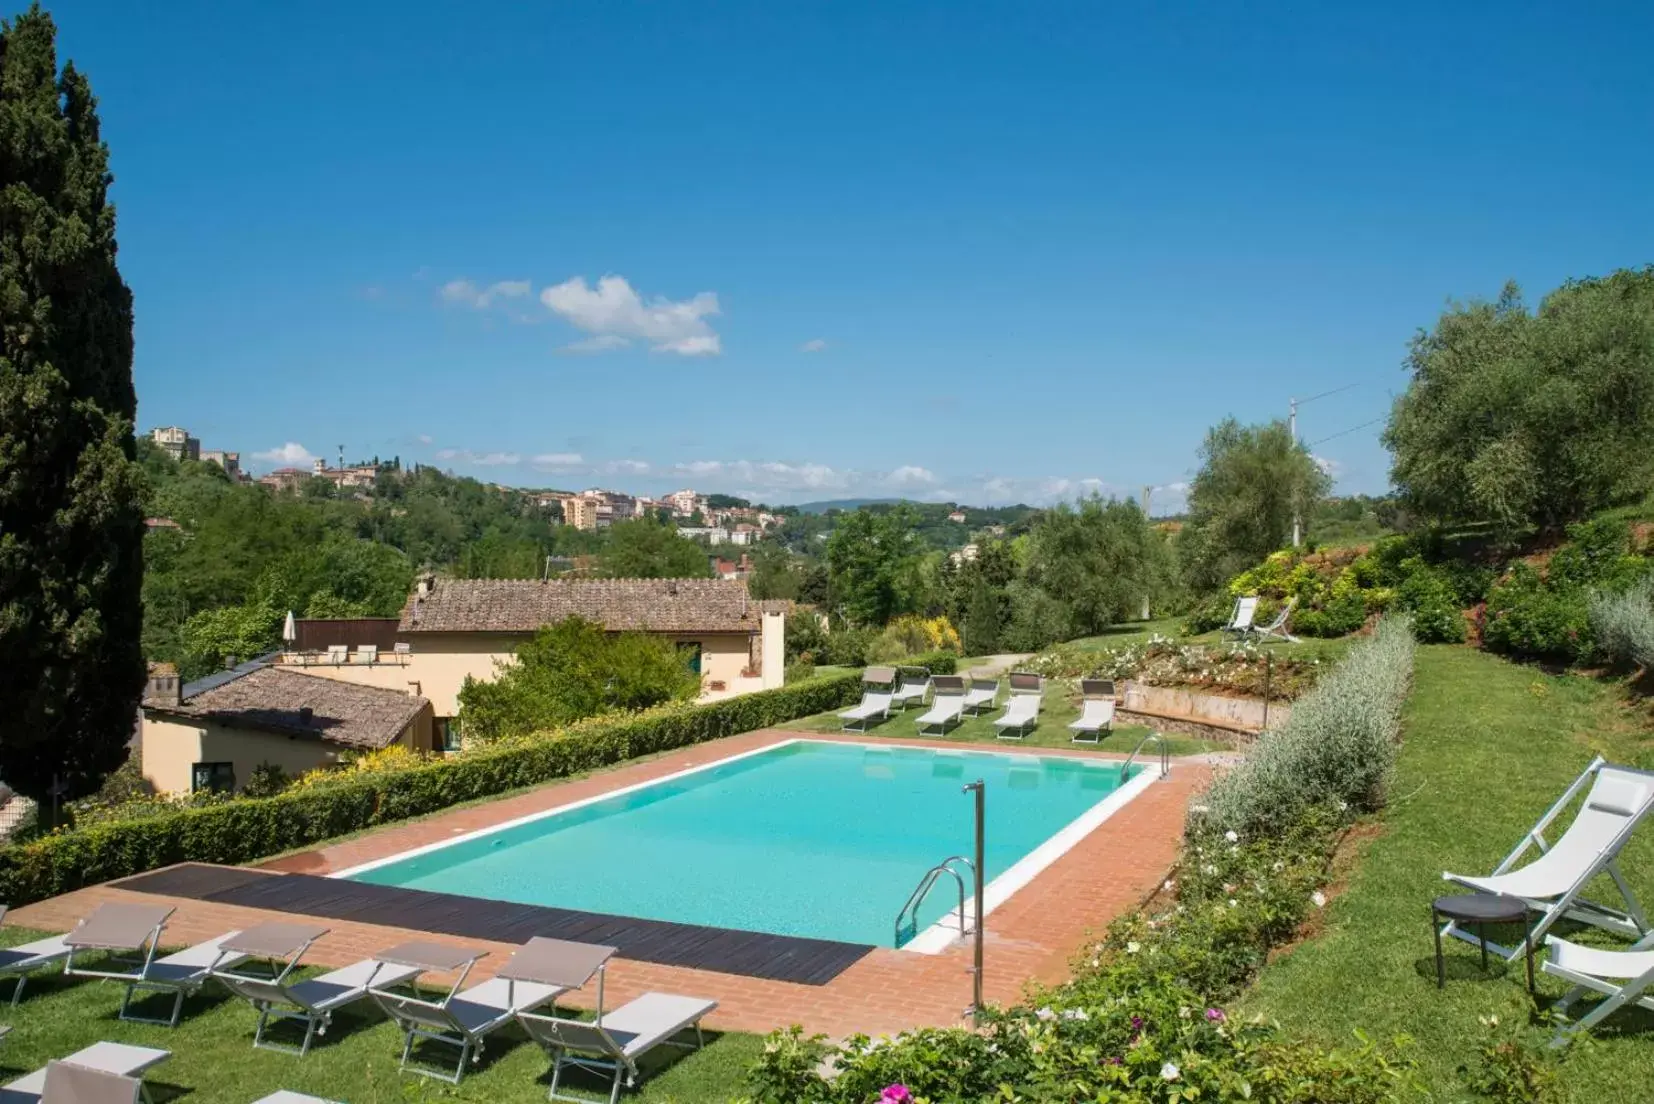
<point>1552,883</point>
<point>1623,977</point>
<point>912,686</point>
<point>1096,711</point>
<point>1240,620</point>
<point>464,1017</point>
<point>313,1000</point>
<point>981,695</point>
<point>136,927</point>
<point>103,1073</point>
<point>876,698</point>
<point>288,1096</point>
<point>947,705</point>
<point>20,961</point>
<point>616,1040</point>
<point>1022,707</point>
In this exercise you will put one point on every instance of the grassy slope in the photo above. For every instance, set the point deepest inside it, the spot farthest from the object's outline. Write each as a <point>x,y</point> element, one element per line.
<point>1488,746</point>
<point>213,1059</point>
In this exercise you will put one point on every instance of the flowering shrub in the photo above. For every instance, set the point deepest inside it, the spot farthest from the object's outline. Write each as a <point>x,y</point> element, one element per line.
<point>911,635</point>
<point>1623,625</point>
<point>1337,748</point>
<point>1161,661</point>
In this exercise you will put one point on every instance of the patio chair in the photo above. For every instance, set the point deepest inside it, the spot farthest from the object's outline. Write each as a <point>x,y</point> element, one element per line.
<point>121,926</point>
<point>1096,711</point>
<point>313,1000</point>
<point>1022,707</point>
<point>462,1018</point>
<point>20,961</point>
<point>981,695</point>
<point>1276,629</point>
<point>1553,882</point>
<point>1240,620</point>
<point>947,705</point>
<point>876,698</point>
<point>912,687</point>
<point>615,1041</point>
<point>103,1073</point>
<point>1621,976</point>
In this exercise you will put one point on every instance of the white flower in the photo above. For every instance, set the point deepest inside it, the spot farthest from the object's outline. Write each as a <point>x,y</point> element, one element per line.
<point>1045,1014</point>
<point>1231,836</point>
<point>1279,866</point>
<point>1208,869</point>
<point>1232,903</point>
<point>1185,1012</point>
<point>1133,947</point>
<point>1170,1072</point>
<point>1169,885</point>
<point>1319,898</point>
<point>1075,1014</point>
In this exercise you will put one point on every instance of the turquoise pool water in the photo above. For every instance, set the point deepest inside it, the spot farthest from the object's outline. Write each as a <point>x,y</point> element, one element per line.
<point>809,838</point>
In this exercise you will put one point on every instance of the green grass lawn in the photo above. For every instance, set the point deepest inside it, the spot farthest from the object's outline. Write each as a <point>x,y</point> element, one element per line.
<point>1059,706</point>
<point>1488,746</point>
<point>213,1059</point>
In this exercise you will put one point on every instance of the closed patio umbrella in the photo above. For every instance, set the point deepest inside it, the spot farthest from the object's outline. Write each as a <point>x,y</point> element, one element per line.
<point>289,631</point>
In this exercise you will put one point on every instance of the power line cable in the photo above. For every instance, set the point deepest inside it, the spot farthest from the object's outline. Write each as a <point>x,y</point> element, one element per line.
<point>1342,432</point>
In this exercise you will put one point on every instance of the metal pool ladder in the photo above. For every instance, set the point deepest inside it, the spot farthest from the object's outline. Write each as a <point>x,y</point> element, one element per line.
<point>910,911</point>
<point>1165,756</point>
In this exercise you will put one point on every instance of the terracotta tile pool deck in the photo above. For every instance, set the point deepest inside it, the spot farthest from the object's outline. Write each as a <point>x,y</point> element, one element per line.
<point>1032,936</point>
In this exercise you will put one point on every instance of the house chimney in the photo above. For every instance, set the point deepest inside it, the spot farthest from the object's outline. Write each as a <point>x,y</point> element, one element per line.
<point>305,715</point>
<point>163,688</point>
<point>426,582</point>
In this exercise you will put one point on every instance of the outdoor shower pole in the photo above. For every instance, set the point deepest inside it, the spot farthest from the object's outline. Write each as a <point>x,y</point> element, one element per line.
<point>976,871</point>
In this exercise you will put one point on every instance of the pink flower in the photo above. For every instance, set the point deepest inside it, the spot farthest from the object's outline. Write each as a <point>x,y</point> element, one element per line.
<point>1215,1015</point>
<point>896,1094</point>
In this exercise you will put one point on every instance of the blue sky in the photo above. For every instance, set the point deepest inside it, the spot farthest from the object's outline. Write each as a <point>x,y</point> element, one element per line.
<point>983,252</point>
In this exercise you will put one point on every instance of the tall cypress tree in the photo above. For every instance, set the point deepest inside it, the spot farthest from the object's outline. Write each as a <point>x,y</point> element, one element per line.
<point>71,516</point>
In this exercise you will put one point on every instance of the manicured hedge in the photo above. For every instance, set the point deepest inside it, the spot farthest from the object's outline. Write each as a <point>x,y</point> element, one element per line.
<point>252,828</point>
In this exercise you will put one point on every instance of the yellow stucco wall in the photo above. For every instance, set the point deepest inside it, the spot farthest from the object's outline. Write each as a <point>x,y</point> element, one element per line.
<point>173,745</point>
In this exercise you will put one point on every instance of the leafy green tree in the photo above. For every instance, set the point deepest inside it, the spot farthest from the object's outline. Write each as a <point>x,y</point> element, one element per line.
<point>1101,558</point>
<point>1253,480</point>
<point>649,550</point>
<point>571,670</point>
<point>71,542</point>
<point>775,572</point>
<point>872,564</point>
<point>1530,419</point>
<point>982,619</point>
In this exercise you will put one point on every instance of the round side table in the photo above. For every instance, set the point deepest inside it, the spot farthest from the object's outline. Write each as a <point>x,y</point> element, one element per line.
<point>1480,910</point>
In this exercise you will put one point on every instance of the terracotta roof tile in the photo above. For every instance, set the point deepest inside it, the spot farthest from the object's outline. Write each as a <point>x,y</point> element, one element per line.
<point>524,605</point>
<point>271,699</point>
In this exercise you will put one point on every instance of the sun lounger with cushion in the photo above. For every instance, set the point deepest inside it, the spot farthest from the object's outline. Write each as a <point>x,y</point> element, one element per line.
<point>1623,977</point>
<point>981,695</point>
<point>20,961</point>
<point>947,705</point>
<point>1096,711</point>
<point>136,928</point>
<point>116,1077</point>
<point>615,1041</point>
<point>1552,883</point>
<point>876,698</point>
<point>313,1000</point>
<point>463,1018</point>
<point>912,686</point>
<point>1022,708</point>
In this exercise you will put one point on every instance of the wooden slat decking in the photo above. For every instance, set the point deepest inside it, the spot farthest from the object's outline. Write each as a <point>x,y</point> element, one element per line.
<point>747,954</point>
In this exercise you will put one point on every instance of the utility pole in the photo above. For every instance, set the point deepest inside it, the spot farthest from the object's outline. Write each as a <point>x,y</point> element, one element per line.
<point>1292,431</point>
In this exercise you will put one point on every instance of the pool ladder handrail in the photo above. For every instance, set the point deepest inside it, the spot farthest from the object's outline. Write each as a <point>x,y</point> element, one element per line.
<point>926,884</point>
<point>1165,756</point>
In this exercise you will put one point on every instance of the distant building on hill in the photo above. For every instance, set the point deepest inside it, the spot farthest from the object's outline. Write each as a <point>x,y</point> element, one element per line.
<point>229,461</point>
<point>359,475</point>
<point>285,479</point>
<point>957,517</point>
<point>176,442</point>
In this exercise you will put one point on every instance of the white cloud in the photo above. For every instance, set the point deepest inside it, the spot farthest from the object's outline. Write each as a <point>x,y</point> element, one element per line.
<point>424,438</point>
<point>909,475</point>
<point>1332,467</point>
<point>465,293</point>
<point>558,460</point>
<point>613,312</point>
<point>290,455</point>
<point>814,345</point>
<point>480,459</point>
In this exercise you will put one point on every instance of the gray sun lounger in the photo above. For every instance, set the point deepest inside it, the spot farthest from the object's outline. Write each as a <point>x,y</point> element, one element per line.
<point>912,687</point>
<point>313,1000</point>
<point>877,696</point>
<point>20,961</point>
<point>1022,708</point>
<point>136,927</point>
<point>1096,711</point>
<point>981,695</point>
<point>1276,629</point>
<point>464,1017</point>
<point>947,705</point>
<point>615,1041</point>
<point>103,1073</point>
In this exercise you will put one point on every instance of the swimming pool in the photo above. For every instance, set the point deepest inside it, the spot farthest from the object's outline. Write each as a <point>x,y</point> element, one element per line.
<point>808,837</point>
